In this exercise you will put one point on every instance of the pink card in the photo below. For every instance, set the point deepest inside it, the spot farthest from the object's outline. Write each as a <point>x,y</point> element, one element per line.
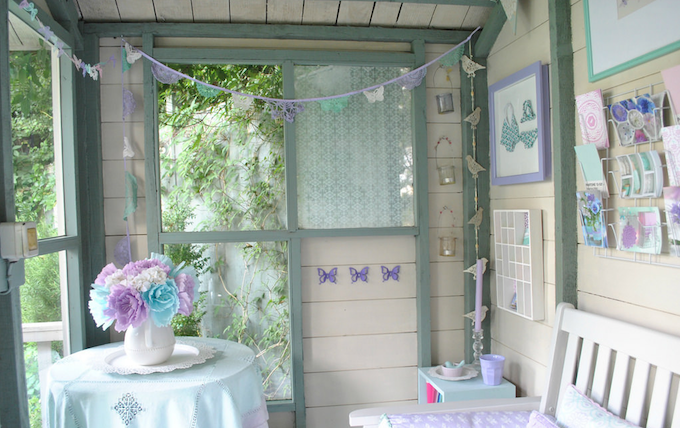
<point>591,117</point>
<point>671,79</point>
<point>671,143</point>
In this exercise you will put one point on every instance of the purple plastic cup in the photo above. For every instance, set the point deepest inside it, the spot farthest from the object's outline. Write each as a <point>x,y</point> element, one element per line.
<point>492,368</point>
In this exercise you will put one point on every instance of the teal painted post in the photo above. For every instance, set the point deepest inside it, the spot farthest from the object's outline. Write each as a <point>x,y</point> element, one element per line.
<point>295,284</point>
<point>483,187</point>
<point>93,247</point>
<point>13,402</point>
<point>290,159</point>
<point>422,214</point>
<point>151,166</point>
<point>563,133</point>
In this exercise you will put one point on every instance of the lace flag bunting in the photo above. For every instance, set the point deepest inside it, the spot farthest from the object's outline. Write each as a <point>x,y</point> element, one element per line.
<point>412,79</point>
<point>207,91</point>
<point>164,74</point>
<point>130,195</point>
<point>128,151</point>
<point>377,94</point>
<point>131,54</point>
<point>336,105</point>
<point>285,109</point>
<point>129,104</point>
<point>242,102</point>
<point>451,59</point>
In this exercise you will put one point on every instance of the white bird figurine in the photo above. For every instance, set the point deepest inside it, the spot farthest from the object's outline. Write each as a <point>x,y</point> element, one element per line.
<point>470,66</point>
<point>471,315</point>
<point>473,269</point>
<point>474,117</point>
<point>477,218</point>
<point>474,167</point>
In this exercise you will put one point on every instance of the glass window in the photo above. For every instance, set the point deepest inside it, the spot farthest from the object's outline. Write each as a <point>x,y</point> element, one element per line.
<point>222,165</point>
<point>355,157</point>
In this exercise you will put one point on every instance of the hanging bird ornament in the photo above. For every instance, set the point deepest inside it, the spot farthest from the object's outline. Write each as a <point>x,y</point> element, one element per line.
<point>471,315</point>
<point>474,117</point>
<point>470,66</point>
<point>477,218</point>
<point>473,269</point>
<point>474,167</point>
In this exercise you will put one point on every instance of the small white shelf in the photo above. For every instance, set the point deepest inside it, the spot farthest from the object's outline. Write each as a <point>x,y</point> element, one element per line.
<point>519,262</point>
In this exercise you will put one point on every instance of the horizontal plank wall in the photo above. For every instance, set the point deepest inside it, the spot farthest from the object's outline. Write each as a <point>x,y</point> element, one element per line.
<point>637,292</point>
<point>446,272</point>
<point>524,343</point>
<point>359,338</point>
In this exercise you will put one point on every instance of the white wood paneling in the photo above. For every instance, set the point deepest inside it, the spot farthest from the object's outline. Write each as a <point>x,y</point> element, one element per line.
<point>112,104</point>
<point>529,16</point>
<point>358,250</point>
<point>284,11</point>
<point>326,354</point>
<point>448,345</point>
<point>415,15</point>
<point>446,279</point>
<point>527,374</point>
<point>534,46</point>
<point>112,139</point>
<point>281,420</point>
<point>250,11</point>
<point>441,218</point>
<point>338,416</point>
<point>113,217</point>
<point>211,10</point>
<point>173,10</point>
<point>99,10</point>
<point>355,13</point>
<point>476,17</point>
<point>526,337</point>
<point>446,313</point>
<point>364,386</point>
<point>345,290</point>
<point>385,14</point>
<point>358,317</point>
<point>320,12</point>
<point>452,131</point>
<point>449,16</point>
<point>114,177</point>
<point>136,10</point>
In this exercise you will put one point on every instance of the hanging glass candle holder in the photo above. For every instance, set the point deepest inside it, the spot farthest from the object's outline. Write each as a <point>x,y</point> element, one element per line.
<point>444,101</point>
<point>446,172</point>
<point>447,243</point>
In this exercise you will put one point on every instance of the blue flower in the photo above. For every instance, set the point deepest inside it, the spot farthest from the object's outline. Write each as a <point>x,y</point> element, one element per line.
<point>645,105</point>
<point>163,302</point>
<point>595,206</point>
<point>98,303</point>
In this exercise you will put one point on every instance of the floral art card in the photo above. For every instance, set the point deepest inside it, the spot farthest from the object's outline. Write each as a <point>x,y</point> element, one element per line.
<point>671,197</point>
<point>671,143</point>
<point>592,119</point>
<point>592,218</point>
<point>639,230</point>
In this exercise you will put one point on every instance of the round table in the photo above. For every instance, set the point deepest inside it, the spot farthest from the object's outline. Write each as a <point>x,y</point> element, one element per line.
<point>224,391</point>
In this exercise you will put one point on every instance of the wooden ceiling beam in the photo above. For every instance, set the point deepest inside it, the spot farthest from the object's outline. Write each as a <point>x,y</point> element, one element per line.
<point>481,3</point>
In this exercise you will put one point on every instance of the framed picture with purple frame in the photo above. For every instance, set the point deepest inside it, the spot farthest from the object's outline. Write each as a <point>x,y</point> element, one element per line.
<point>519,117</point>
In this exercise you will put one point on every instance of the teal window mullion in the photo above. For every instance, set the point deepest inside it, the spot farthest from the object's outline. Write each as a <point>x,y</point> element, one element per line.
<point>290,150</point>
<point>151,161</point>
<point>295,287</point>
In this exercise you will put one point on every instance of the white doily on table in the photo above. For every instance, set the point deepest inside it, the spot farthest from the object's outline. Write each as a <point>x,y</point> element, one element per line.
<point>185,355</point>
<point>468,373</point>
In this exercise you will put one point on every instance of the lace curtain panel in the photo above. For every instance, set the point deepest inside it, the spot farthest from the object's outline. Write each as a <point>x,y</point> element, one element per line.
<point>354,159</point>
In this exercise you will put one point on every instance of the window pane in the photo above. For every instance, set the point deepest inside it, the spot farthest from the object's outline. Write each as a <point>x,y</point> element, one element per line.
<point>222,166</point>
<point>244,297</point>
<point>355,163</point>
<point>43,329</point>
<point>38,190</point>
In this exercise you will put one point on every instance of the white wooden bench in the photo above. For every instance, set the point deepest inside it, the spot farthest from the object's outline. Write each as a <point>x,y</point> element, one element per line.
<point>630,370</point>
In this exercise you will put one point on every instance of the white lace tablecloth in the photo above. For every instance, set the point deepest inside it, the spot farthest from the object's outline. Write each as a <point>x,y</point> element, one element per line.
<point>518,419</point>
<point>224,391</point>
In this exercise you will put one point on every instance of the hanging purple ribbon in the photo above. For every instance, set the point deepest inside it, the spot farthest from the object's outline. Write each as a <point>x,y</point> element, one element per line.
<point>164,74</point>
<point>285,109</point>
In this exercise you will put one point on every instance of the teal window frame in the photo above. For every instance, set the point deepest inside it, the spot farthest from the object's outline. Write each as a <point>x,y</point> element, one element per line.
<point>292,234</point>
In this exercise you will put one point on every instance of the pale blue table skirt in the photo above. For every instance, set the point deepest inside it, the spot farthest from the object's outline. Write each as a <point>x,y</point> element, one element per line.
<point>223,392</point>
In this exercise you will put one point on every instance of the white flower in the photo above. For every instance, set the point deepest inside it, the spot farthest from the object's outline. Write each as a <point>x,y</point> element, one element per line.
<point>152,275</point>
<point>116,278</point>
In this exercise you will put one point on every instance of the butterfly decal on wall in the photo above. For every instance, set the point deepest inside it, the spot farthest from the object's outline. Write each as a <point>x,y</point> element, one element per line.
<point>387,273</point>
<point>357,275</point>
<point>330,276</point>
<point>375,95</point>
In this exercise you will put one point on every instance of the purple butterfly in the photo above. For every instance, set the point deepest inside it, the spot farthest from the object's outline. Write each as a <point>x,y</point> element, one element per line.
<point>330,276</point>
<point>394,273</point>
<point>356,275</point>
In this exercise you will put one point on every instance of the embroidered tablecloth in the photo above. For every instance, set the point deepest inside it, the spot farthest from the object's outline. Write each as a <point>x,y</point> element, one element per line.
<point>225,391</point>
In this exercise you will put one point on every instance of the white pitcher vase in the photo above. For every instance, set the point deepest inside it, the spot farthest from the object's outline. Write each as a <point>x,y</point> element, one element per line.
<point>149,344</point>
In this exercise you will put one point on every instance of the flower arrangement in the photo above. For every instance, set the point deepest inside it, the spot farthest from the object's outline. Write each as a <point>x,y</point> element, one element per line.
<point>590,207</point>
<point>151,288</point>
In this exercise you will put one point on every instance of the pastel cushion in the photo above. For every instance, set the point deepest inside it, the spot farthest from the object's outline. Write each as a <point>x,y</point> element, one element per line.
<point>539,420</point>
<point>576,410</point>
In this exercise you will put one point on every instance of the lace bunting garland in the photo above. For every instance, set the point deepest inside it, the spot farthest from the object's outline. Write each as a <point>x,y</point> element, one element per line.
<point>164,74</point>
<point>285,109</point>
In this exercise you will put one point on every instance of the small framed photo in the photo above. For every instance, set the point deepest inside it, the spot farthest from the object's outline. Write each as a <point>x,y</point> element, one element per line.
<point>520,127</point>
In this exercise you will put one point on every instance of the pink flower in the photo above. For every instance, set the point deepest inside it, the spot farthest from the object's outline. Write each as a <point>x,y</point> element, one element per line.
<point>107,271</point>
<point>126,306</point>
<point>185,286</point>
